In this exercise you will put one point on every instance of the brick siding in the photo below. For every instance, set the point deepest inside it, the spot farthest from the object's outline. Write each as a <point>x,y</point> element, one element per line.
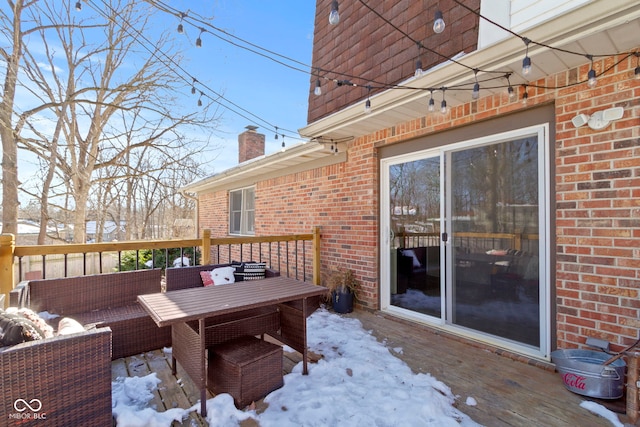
<point>364,46</point>
<point>597,188</point>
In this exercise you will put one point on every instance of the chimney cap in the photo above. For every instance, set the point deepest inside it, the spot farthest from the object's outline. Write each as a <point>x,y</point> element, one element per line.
<point>251,128</point>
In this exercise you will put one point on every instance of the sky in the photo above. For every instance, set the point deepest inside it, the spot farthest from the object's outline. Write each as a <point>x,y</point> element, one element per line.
<point>357,382</point>
<point>273,92</point>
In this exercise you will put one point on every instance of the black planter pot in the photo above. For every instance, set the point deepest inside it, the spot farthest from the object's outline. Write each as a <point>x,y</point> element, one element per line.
<point>342,301</point>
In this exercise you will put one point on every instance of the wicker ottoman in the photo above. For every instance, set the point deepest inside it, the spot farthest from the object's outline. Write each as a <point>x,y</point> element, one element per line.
<point>247,368</point>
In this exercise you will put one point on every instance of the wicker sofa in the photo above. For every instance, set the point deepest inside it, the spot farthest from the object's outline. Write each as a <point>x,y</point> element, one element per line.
<point>63,381</point>
<point>102,300</point>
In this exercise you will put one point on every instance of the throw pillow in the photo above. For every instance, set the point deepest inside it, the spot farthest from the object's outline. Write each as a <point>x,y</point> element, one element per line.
<point>15,329</point>
<point>35,318</point>
<point>238,272</point>
<point>254,270</point>
<point>223,275</point>
<point>68,326</point>
<point>207,280</point>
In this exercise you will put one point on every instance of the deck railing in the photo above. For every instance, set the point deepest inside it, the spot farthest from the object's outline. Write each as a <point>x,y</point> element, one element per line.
<point>296,256</point>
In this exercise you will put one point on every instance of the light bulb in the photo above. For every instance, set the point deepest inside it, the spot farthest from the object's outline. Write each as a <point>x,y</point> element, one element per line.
<point>318,90</point>
<point>438,23</point>
<point>180,29</point>
<point>637,72</point>
<point>476,91</point>
<point>419,71</point>
<point>198,42</point>
<point>526,66</point>
<point>334,16</point>
<point>367,106</point>
<point>432,105</point>
<point>78,6</point>
<point>525,97</point>
<point>592,82</point>
<point>511,93</point>
<point>443,107</point>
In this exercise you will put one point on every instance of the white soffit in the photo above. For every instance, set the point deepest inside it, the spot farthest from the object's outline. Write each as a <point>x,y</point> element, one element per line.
<point>297,158</point>
<point>600,27</point>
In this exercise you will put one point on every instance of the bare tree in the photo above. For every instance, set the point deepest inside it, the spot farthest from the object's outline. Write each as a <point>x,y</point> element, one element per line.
<point>110,100</point>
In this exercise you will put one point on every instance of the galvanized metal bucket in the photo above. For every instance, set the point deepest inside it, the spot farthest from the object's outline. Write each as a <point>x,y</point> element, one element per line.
<point>584,372</point>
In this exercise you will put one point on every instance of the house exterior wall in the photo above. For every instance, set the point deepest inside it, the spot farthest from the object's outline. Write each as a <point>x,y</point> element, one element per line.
<point>597,209</point>
<point>363,45</point>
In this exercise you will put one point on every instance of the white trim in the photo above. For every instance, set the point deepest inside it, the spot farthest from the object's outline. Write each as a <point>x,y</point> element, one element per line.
<point>544,203</point>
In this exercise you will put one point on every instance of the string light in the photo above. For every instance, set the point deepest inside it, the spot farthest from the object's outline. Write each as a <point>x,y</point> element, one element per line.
<point>334,16</point>
<point>476,87</point>
<point>591,76</point>
<point>318,90</point>
<point>200,99</point>
<point>193,87</point>
<point>432,103</point>
<point>510,91</point>
<point>438,22</point>
<point>180,26</point>
<point>276,136</point>
<point>419,70</point>
<point>78,6</point>
<point>525,96</point>
<point>282,149</point>
<point>526,62</point>
<point>199,39</point>
<point>367,104</point>
<point>443,104</point>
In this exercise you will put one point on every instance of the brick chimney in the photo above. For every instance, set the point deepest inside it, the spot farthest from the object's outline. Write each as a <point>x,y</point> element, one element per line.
<point>250,144</point>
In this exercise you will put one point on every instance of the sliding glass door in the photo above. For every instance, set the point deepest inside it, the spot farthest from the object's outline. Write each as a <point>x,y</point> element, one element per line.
<point>466,238</point>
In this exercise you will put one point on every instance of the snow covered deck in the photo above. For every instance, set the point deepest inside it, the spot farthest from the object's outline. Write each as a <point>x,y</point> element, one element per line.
<point>491,389</point>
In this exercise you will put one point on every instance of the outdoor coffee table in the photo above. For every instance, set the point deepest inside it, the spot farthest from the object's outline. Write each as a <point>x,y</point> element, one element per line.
<point>201,316</point>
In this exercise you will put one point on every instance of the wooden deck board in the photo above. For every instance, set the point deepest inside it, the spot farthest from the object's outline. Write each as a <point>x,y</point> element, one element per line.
<point>508,392</point>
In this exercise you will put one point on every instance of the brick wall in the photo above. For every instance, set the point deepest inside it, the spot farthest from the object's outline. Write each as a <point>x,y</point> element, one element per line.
<point>366,50</point>
<point>597,187</point>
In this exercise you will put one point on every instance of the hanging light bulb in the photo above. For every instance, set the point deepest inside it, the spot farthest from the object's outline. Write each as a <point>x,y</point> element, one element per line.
<point>200,100</point>
<point>432,103</point>
<point>525,96</point>
<point>419,71</point>
<point>276,136</point>
<point>526,62</point>
<point>282,149</point>
<point>199,39</point>
<point>438,23</point>
<point>476,87</point>
<point>367,106</point>
<point>591,75</point>
<point>334,16</point>
<point>193,87</point>
<point>510,92</point>
<point>318,90</point>
<point>78,6</point>
<point>637,70</point>
<point>180,26</point>
<point>443,107</point>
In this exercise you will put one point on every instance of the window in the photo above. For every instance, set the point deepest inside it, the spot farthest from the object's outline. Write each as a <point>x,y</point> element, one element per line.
<point>241,211</point>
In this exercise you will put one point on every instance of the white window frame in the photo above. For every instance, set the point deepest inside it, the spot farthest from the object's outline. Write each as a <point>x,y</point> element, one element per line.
<point>247,215</point>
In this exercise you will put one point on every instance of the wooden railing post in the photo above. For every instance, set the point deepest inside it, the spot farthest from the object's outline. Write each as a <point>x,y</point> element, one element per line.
<point>206,247</point>
<point>316,255</point>
<point>7,244</point>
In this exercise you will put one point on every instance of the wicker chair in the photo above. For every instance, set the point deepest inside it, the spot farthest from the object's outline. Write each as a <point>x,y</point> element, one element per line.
<point>59,381</point>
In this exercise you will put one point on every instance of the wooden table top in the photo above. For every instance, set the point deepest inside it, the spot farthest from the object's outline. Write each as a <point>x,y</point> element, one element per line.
<point>185,305</point>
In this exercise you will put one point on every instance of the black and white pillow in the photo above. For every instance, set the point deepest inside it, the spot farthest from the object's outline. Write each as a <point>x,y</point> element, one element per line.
<point>250,271</point>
